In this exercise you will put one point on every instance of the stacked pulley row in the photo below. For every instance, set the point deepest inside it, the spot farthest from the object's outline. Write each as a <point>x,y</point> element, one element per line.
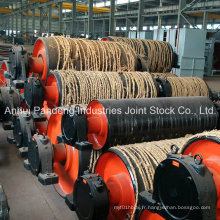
<point>76,87</point>
<point>61,146</point>
<point>70,147</point>
<point>78,54</point>
<point>60,53</point>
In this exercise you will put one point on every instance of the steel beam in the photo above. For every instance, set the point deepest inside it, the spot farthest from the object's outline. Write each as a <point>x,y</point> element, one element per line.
<point>33,20</point>
<point>74,24</point>
<point>49,18</point>
<point>90,18</point>
<point>60,16</point>
<point>21,23</point>
<point>140,15</point>
<point>27,22</point>
<point>41,21</point>
<point>205,20</point>
<point>112,18</point>
<point>180,19</point>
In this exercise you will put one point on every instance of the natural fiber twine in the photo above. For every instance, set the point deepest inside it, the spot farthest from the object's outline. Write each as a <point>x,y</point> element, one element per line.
<point>159,54</point>
<point>163,75</point>
<point>188,86</point>
<point>82,87</point>
<point>82,54</point>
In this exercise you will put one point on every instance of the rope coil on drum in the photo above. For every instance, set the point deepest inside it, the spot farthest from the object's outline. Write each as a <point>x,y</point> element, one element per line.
<point>185,86</point>
<point>158,54</point>
<point>82,54</point>
<point>82,87</point>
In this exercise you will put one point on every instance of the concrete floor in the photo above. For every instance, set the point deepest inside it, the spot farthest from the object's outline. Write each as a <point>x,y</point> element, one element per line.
<point>27,198</point>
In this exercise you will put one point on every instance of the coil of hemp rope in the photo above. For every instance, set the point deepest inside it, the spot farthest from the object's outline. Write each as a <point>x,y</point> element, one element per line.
<point>158,54</point>
<point>82,54</point>
<point>82,86</point>
<point>188,86</point>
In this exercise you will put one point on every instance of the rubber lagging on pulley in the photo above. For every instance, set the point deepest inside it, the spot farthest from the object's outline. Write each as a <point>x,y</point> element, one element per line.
<point>118,122</point>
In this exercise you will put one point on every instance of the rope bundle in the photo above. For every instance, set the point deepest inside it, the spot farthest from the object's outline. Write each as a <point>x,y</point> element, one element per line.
<point>159,54</point>
<point>82,87</point>
<point>82,54</point>
<point>188,86</point>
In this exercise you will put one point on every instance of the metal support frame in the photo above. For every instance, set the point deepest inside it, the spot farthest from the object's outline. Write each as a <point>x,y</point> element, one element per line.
<point>74,24</point>
<point>112,18</point>
<point>140,15</point>
<point>16,24</point>
<point>103,27</point>
<point>159,22</point>
<point>27,22</point>
<point>33,20</point>
<point>41,21</point>
<point>90,18</point>
<point>49,18</point>
<point>60,16</point>
<point>12,23</point>
<point>21,24</point>
<point>127,27</point>
<point>205,20</point>
<point>180,19</point>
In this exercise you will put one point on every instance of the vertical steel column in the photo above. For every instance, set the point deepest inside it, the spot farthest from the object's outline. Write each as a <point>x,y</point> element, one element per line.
<point>90,18</point>
<point>41,20</point>
<point>180,19</point>
<point>60,16</point>
<point>5,24</point>
<point>140,15</point>
<point>85,28</point>
<point>49,18</point>
<point>27,23</point>
<point>8,27</point>
<point>21,23</point>
<point>159,21</point>
<point>16,24</point>
<point>12,22</point>
<point>103,28</point>
<point>74,24</point>
<point>127,27</point>
<point>33,20</point>
<point>159,16</point>
<point>205,20</point>
<point>112,19</point>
